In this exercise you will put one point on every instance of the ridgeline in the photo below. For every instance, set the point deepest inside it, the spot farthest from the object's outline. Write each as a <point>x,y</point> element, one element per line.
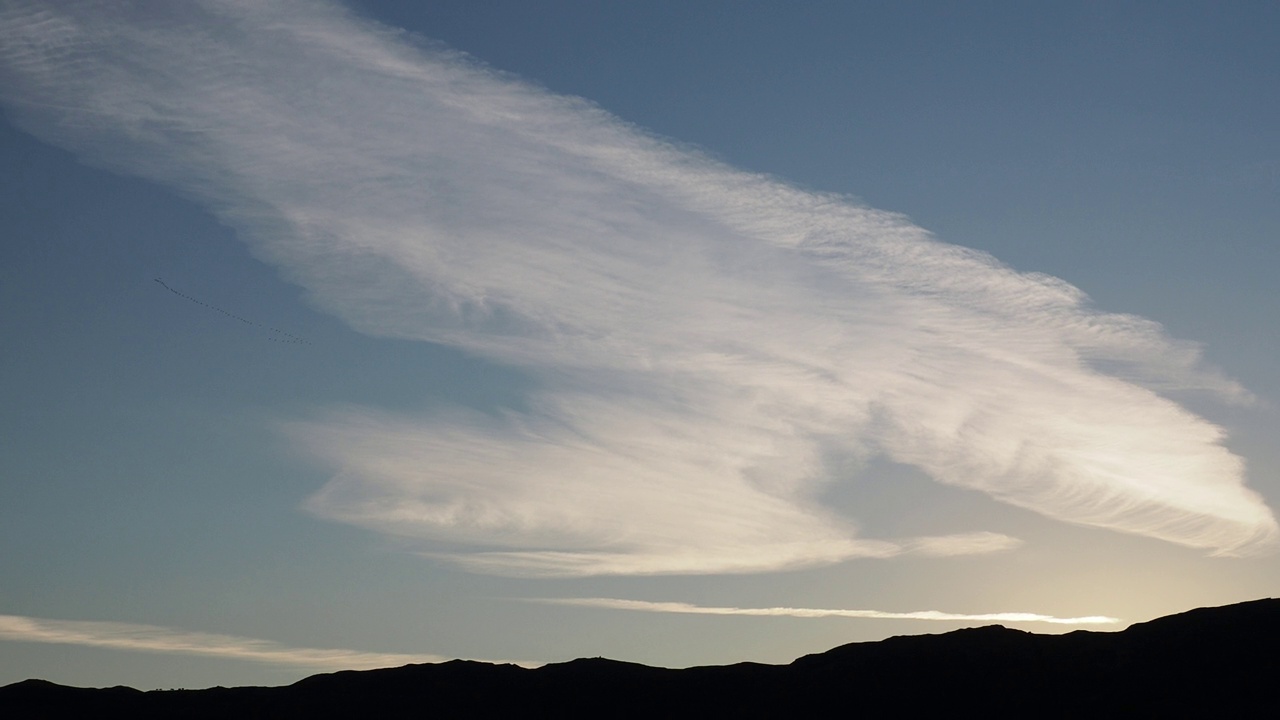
<point>1211,662</point>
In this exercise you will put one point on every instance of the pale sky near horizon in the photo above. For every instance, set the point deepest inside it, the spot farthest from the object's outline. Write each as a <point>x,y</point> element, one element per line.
<point>679,333</point>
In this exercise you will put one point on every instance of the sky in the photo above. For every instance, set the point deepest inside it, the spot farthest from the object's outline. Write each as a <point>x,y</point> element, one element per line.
<point>678,333</point>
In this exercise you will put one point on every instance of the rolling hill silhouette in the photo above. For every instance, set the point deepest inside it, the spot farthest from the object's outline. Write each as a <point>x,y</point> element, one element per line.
<point>1211,662</point>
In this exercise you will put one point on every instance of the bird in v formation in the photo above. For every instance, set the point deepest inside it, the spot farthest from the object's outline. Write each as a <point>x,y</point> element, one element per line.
<point>278,335</point>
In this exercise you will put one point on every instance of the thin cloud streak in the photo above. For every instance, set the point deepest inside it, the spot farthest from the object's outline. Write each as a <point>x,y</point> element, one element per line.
<point>155,639</point>
<point>704,340</point>
<point>687,609</point>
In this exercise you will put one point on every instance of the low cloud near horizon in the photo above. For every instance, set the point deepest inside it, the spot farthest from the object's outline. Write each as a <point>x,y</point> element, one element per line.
<point>688,609</point>
<point>704,340</point>
<point>156,639</point>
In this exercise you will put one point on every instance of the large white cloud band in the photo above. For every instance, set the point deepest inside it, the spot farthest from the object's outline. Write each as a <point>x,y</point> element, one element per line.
<point>703,338</point>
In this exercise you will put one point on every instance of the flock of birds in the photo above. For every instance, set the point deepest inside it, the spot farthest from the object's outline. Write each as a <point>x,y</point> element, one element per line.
<point>274,334</point>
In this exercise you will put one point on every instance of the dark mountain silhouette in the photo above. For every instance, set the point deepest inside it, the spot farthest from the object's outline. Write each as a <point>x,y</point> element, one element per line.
<point>1211,662</point>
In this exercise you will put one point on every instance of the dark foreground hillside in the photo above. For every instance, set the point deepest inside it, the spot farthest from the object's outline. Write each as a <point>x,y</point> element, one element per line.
<point>1212,662</point>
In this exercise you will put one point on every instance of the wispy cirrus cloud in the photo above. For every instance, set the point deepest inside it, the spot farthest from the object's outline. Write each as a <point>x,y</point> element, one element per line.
<point>156,639</point>
<point>704,339</point>
<point>687,609</point>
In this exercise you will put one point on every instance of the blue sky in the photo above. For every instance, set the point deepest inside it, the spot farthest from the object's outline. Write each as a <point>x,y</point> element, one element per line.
<point>676,334</point>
